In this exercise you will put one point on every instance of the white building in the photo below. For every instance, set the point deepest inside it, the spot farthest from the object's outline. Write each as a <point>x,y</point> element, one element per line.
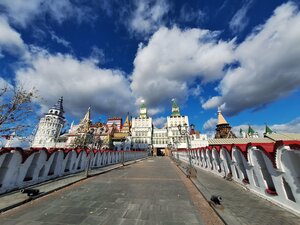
<point>50,126</point>
<point>144,133</point>
<point>141,129</point>
<point>175,136</point>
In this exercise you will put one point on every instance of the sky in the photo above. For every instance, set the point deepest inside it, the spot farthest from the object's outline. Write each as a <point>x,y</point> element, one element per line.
<point>239,55</point>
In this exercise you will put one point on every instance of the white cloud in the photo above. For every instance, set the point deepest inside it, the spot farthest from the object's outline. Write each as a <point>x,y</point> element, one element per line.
<point>81,83</point>
<point>159,122</point>
<point>209,127</point>
<point>191,15</point>
<point>269,64</point>
<point>240,20</point>
<point>173,59</point>
<point>212,102</point>
<point>147,16</point>
<point>292,126</point>
<point>210,124</point>
<point>23,12</point>
<point>10,39</point>
<point>59,40</point>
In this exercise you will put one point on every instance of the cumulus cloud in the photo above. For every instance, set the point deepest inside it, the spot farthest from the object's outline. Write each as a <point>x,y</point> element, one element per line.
<point>240,20</point>
<point>23,12</point>
<point>292,126</point>
<point>209,127</point>
<point>269,64</point>
<point>173,59</point>
<point>160,122</point>
<point>10,39</point>
<point>210,124</point>
<point>147,16</point>
<point>81,83</point>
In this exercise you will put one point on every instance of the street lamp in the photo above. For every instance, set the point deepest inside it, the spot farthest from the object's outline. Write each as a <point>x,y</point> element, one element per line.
<point>184,131</point>
<point>175,145</point>
<point>89,156</point>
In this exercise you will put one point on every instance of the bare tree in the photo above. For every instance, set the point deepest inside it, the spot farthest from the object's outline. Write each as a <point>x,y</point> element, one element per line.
<point>16,109</point>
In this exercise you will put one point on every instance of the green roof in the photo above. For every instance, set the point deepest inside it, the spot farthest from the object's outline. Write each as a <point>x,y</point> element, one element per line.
<point>175,108</point>
<point>250,130</point>
<point>268,130</point>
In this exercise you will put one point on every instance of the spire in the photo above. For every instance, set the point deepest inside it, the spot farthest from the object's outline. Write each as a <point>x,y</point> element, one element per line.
<point>85,122</point>
<point>126,125</point>
<point>251,132</point>
<point>143,110</point>
<point>221,119</point>
<point>59,105</point>
<point>57,108</point>
<point>175,108</point>
<point>268,130</point>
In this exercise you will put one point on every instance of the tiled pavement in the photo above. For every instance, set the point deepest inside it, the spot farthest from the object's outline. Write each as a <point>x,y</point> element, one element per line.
<point>149,192</point>
<point>240,205</point>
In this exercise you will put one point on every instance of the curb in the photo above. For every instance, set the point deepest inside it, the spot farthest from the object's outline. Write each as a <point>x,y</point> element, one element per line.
<point>205,197</point>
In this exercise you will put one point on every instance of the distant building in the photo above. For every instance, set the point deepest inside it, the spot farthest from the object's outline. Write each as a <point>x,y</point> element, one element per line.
<point>146,136</point>
<point>50,126</point>
<point>116,121</point>
<point>141,129</point>
<point>223,129</point>
<point>139,133</point>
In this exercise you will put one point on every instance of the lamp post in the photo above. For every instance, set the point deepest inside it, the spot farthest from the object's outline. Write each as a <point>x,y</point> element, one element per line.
<point>89,156</point>
<point>175,143</point>
<point>184,131</point>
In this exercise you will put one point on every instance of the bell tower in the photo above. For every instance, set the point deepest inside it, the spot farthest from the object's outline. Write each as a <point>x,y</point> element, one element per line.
<point>175,108</point>
<point>143,110</point>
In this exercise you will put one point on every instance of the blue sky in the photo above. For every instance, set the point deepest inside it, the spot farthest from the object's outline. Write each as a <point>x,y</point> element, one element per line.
<point>241,56</point>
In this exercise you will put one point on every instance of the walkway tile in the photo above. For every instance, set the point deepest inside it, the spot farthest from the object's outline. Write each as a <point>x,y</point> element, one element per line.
<point>148,192</point>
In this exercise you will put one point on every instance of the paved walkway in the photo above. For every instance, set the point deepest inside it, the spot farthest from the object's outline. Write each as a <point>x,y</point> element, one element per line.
<point>149,192</point>
<point>240,205</point>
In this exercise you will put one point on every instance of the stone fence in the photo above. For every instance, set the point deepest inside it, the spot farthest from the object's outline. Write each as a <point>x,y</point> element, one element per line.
<point>270,170</point>
<point>21,168</point>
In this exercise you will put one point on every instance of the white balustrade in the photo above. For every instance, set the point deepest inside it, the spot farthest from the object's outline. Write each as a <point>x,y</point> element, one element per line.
<point>21,168</point>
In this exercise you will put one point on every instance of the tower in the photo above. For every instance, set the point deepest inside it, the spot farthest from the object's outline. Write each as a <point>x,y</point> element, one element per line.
<point>126,125</point>
<point>50,126</point>
<point>143,110</point>
<point>85,122</point>
<point>175,108</point>
<point>223,129</point>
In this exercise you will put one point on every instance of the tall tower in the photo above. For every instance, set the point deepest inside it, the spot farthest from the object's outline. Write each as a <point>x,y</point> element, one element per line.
<point>50,126</point>
<point>175,108</point>
<point>223,129</point>
<point>143,110</point>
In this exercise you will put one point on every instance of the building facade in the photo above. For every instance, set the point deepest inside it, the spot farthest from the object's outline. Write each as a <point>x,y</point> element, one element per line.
<point>141,129</point>
<point>50,126</point>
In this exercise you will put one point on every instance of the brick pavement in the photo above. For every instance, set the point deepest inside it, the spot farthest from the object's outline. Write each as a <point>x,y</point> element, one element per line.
<point>148,192</point>
<point>240,205</point>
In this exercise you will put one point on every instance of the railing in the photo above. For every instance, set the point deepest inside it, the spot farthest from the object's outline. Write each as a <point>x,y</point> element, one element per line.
<point>272,174</point>
<point>21,168</point>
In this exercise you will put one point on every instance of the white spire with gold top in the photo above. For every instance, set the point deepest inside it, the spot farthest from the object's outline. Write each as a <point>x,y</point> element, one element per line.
<point>126,125</point>
<point>85,122</point>
<point>221,119</point>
